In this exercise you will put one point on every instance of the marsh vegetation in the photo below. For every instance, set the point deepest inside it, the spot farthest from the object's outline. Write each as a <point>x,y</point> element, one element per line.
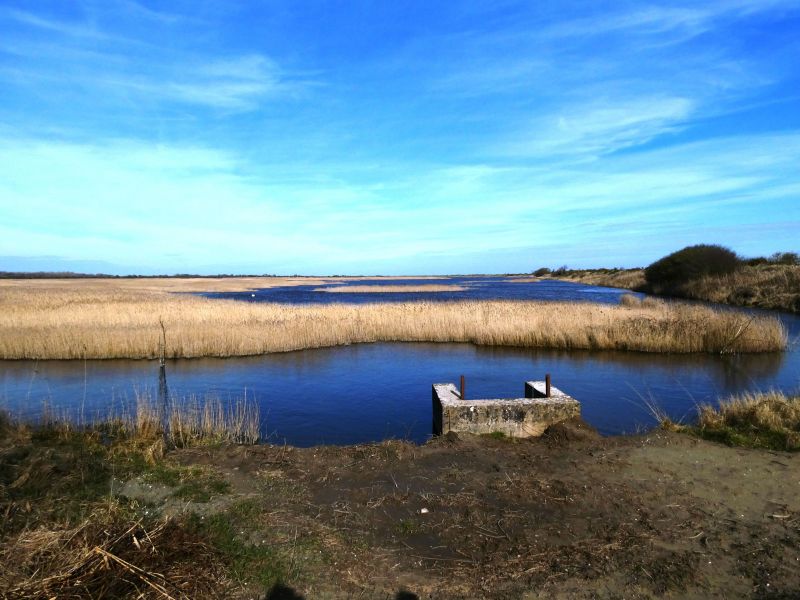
<point>708,273</point>
<point>106,321</point>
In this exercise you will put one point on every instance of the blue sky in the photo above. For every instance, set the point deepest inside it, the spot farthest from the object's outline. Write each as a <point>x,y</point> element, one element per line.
<point>394,137</point>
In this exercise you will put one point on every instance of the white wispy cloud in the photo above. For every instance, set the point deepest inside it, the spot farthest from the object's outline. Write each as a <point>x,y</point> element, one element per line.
<point>65,28</point>
<point>618,77</point>
<point>235,84</point>
<point>676,22</point>
<point>88,59</point>
<point>601,127</point>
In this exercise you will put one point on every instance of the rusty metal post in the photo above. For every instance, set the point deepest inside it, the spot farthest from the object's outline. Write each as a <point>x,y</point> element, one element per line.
<point>462,387</point>
<point>547,385</point>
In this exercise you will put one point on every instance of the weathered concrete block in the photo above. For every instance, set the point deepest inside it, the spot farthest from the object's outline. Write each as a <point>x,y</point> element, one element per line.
<point>515,417</point>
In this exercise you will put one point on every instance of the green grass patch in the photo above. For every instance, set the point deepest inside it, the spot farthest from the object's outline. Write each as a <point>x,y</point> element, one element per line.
<point>56,477</point>
<point>247,562</point>
<point>407,527</point>
<point>202,489</point>
<point>754,438</point>
<point>193,483</point>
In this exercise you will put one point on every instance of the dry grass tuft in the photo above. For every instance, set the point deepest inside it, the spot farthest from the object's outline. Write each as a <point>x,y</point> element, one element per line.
<point>104,558</point>
<point>770,420</point>
<point>630,301</point>
<point>121,323</point>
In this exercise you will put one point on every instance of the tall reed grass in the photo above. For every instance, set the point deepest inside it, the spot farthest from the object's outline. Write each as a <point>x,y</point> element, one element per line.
<point>123,323</point>
<point>182,422</point>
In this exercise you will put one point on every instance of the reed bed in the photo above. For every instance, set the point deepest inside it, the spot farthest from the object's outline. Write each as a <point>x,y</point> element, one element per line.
<point>180,422</point>
<point>116,323</point>
<point>161,284</point>
<point>629,279</point>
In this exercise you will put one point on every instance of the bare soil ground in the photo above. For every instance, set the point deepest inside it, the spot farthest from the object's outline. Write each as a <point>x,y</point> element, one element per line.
<point>569,515</point>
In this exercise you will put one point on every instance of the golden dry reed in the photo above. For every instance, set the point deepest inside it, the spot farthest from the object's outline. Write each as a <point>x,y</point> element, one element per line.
<point>629,279</point>
<point>204,419</point>
<point>64,323</point>
<point>771,410</point>
<point>183,422</point>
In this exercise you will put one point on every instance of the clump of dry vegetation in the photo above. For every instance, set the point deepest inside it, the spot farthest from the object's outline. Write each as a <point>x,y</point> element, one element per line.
<point>762,420</point>
<point>628,279</point>
<point>104,557</point>
<point>64,323</point>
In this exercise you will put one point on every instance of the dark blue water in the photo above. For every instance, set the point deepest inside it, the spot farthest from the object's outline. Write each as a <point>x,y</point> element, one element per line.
<point>371,392</point>
<point>476,288</point>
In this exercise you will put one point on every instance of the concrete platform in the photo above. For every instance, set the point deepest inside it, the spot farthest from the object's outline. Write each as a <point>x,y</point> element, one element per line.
<point>514,417</point>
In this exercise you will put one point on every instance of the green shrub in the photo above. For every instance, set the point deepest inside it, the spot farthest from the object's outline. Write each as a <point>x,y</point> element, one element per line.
<point>541,272</point>
<point>690,263</point>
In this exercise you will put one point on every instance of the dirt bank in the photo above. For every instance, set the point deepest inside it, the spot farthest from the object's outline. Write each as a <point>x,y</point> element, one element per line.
<point>569,515</point>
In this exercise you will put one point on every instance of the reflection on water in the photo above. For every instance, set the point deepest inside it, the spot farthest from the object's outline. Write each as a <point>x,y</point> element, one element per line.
<point>729,372</point>
<point>370,392</point>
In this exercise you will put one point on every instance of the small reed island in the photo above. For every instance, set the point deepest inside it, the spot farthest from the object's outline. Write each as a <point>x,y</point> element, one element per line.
<point>99,319</point>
